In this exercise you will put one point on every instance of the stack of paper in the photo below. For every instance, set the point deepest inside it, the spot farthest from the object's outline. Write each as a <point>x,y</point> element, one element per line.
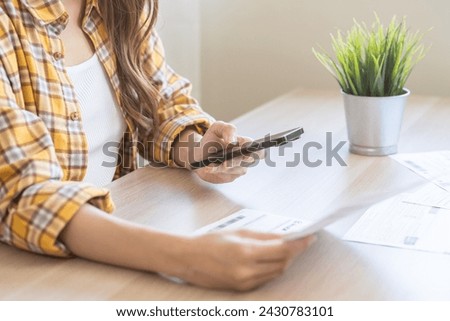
<point>419,220</point>
<point>429,195</point>
<point>434,166</point>
<point>404,225</point>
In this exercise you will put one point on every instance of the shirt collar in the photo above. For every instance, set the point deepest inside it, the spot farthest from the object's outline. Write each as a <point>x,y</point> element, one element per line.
<point>49,11</point>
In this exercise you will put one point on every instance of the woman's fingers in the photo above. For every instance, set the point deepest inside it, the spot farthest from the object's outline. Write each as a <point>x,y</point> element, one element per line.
<point>230,167</point>
<point>278,250</point>
<point>300,245</point>
<point>219,136</point>
<point>224,131</point>
<point>239,260</point>
<point>264,250</point>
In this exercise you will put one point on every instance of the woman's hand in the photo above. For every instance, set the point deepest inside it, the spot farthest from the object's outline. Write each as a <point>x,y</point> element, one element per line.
<point>192,147</point>
<point>219,136</point>
<point>238,260</point>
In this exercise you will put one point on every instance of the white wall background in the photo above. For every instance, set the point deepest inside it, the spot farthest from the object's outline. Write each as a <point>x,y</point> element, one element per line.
<point>250,51</point>
<point>179,28</point>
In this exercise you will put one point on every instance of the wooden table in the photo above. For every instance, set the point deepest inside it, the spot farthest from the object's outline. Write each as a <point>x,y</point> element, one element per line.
<point>176,201</point>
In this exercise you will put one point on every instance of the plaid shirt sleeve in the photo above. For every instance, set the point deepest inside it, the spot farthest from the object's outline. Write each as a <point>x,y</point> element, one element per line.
<point>177,109</point>
<point>35,204</point>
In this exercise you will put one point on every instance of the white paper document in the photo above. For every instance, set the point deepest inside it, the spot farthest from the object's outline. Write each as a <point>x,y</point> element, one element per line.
<point>264,222</point>
<point>434,166</point>
<point>403,225</point>
<point>429,195</point>
<point>259,221</point>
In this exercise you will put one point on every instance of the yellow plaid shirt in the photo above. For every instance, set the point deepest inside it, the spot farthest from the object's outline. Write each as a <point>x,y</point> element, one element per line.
<point>43,149</point>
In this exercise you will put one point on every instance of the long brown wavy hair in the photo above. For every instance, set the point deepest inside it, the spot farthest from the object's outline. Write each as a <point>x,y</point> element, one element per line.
<point>129,24</point>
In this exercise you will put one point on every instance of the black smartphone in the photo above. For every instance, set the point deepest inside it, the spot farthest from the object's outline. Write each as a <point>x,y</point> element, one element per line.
<point>251,147</point>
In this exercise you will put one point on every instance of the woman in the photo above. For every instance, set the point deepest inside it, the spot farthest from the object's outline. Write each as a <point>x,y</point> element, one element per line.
<point>75,75</point>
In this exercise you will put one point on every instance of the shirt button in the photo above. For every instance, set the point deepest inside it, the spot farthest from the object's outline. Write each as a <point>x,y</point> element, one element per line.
<point>62,20</point>
<point>57,55</point>
<point>75,116</point>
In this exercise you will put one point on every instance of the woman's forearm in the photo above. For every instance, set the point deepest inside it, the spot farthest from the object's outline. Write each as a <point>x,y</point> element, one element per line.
<point>97,236</point>
<point>239,260</point>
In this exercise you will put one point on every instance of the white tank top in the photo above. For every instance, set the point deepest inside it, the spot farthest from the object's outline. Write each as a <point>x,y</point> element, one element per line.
<point>103,122</point>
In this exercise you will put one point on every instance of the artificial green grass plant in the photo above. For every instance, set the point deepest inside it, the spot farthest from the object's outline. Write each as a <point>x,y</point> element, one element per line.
<point>374,61</point>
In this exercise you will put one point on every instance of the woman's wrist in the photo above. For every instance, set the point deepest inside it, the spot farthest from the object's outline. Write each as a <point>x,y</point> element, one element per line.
<point>185,149</point>
<point>168,253</point>
<point>183,257</point>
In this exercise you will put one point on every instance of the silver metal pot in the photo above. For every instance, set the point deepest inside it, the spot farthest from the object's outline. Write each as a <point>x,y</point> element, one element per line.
<point>374,123</point>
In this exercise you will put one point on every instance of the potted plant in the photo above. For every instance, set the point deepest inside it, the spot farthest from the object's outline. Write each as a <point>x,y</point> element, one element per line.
<point>372,65</point>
